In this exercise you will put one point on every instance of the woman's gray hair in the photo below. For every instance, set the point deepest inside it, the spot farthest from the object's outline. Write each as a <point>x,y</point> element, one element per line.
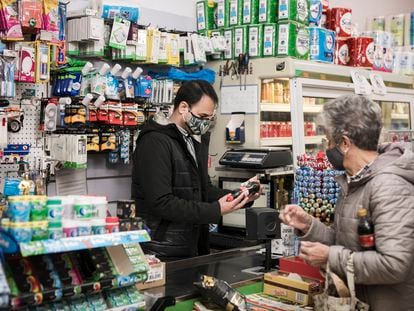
<point>354,116</point>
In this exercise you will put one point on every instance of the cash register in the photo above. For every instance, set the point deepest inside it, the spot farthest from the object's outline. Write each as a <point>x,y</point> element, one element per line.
<point>260,158</point>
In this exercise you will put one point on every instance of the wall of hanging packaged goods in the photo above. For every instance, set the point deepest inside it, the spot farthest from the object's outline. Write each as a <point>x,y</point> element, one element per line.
<point>309,30</point>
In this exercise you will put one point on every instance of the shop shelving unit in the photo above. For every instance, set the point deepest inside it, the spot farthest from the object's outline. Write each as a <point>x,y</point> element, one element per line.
<point>303,87</point>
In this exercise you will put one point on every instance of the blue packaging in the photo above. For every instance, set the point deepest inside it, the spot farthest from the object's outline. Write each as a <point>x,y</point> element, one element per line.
<point>126,12</point>
<point>322,44</point>
<point>315,15</point>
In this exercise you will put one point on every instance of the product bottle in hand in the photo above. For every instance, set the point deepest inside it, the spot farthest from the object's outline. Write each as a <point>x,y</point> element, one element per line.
<point>365,230</point>
<point>246,188</point>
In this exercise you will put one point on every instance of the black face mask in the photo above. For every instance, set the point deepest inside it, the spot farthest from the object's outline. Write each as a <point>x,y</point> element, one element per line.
<point>336,157</point>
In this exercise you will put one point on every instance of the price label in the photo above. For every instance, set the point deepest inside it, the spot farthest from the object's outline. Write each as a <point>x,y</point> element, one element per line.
<point>361,84</point>
<point>378,85</point>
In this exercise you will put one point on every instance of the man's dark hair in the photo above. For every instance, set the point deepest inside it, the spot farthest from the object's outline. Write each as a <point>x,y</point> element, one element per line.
<point>192,91</point>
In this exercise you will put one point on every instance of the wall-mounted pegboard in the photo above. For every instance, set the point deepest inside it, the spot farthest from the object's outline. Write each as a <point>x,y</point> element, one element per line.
<point>29,132</point>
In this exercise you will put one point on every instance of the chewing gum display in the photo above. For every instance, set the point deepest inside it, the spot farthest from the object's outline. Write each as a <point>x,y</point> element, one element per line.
<point>250,12</point>
<point>222,18</point>
<point>293,40</point>
<point>240,40</point>
<point>294,10</point>
<point>267,11</point>
<point>235,12</point>
<point>341,56</point>
<point>256,40</point>
<point>340,21</point>
<point>205,15</point>
<point>361,52</point>
<point>322,44</point>
<point>269,40</point>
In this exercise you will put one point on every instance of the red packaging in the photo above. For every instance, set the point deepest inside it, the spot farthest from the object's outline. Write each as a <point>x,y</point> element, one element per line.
<point>103,113</point>
<point>297,265</point>
<point>340,20</point>
<point>341,56</point>
<point>115,113</point>
<point>92,113</point>
<point>325,5</point>
<point>130,114</point>
<point>361,52</point>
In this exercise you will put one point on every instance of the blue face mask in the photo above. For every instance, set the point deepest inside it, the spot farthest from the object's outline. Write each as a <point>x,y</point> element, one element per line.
<point>336,157</point>
<point>197,125</point>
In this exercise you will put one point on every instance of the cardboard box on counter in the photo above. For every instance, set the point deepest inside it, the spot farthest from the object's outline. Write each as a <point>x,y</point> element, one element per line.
<point>156,276</point>
<point>291,287</point>
<point>297,265</point>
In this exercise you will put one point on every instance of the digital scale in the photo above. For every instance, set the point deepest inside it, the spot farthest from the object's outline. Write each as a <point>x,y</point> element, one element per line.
<point>260,158</point>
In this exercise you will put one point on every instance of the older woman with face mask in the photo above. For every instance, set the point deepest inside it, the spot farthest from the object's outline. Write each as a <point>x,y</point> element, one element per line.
<point>382,181</point>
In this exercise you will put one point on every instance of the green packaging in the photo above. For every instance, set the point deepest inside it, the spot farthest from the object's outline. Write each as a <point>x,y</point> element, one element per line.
<point>222,14</point>
<point>256,41</point>
<point>240,40</point>
<point>217,54</point>
<point>269,40</point>
<point>229,37</point>
<point>293,40</point>
<point>250,12</point>
<point>294,10</point>
<point>235,12</point>
<point>205,15</point>
<point>267,11</point>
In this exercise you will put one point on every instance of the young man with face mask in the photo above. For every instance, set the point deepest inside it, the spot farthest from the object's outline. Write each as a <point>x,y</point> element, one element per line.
<point>170,181</point>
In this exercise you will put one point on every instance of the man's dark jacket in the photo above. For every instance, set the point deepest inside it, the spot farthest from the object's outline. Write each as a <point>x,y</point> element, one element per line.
<point>173,193</point>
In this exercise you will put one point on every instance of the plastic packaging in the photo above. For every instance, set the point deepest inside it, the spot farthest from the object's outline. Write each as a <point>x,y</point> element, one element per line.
<point>18,209</point>
<point>70,228</point>
<point>293,40</point>
<point>112,224</point>
<point>54,210</point>
<point>84,228</point>
<point>100,207</point>
<point>269,40</point>
<point>267,11</point>
<point>21,231</point>
<point>250,12</point>
<point>98,226</point>
<point>55,231</point>
<point>294,10</point>
<point>361,52</point>
<point>39,230</point>
<point>341,56</point>
<point>340,21</point>
<point>322,44</point>
<point>38,208</point>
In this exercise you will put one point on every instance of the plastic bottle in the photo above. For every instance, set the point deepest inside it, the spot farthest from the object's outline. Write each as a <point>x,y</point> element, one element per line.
<point>365,230</point>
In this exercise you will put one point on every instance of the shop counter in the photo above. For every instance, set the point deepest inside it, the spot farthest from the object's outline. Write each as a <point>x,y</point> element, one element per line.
<point>229,266</point>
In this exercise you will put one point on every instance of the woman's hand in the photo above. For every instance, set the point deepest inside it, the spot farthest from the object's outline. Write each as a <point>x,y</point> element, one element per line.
<point>315,254</point>
<point>296,217</point>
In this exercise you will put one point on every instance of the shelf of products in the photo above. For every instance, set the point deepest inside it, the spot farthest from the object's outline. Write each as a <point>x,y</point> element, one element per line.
<point>286,141</point>
<point>83,242</point>
<point>277,107</point>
